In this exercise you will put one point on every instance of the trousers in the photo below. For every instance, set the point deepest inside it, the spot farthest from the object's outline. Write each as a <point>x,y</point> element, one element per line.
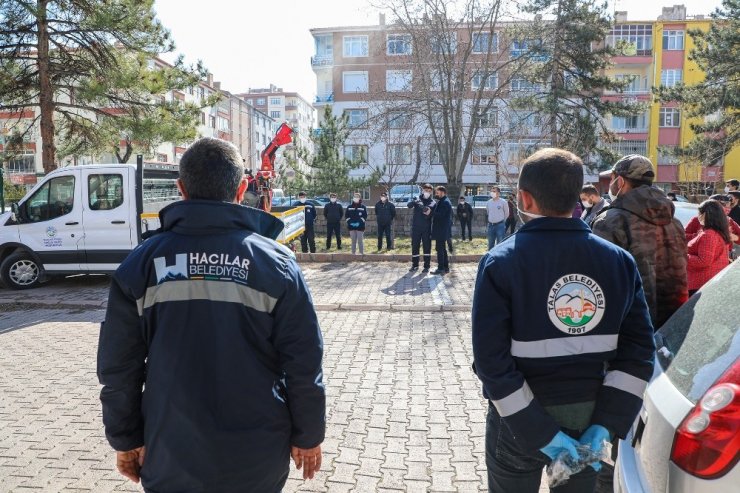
<point>384,230</point>
<point>424,239</point>
<point>333,228</point>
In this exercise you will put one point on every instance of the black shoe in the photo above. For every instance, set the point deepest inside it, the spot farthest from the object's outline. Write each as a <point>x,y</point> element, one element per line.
<point>447,271</point>
<point>413,268</point>
<point>439,272</point>
<point>426,269</point>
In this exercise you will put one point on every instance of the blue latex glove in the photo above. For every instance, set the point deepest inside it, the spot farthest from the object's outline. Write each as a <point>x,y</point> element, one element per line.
<point>560,442</point>
<point>594,437</point>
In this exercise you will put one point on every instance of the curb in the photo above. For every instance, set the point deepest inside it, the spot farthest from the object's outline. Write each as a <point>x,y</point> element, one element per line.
<point>374,257</point>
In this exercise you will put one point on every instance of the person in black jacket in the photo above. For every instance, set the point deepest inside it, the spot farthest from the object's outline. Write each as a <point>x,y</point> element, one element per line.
<point>441,217</point>
<point>356,218</point>
<point>309,212</point>
<point>385,213</point>
<point>333,212</point>
<point>214,319</point>
<point>421,228</point>
<point>465,216</point>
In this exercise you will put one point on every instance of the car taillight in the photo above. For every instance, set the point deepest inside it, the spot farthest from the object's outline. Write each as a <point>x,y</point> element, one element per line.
<point>707,443</point>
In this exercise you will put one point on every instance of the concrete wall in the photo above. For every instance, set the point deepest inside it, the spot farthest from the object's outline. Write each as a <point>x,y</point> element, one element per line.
<point>402,224</point>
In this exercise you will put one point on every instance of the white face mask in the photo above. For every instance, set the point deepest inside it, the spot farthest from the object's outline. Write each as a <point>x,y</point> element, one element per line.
<point>586,204</point>
<point>383,199</point>
<point>494,195</point>
<point>727,189</point>
<point>527,216</point>
<point>614,196</point>
<point>426,195</point>
<point>333,200</point>
<point>302,200</point>
<point>356,200</point>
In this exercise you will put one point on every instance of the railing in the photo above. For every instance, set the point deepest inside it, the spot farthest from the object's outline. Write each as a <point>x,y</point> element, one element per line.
<point>322,61</point>
<point>325,98</point>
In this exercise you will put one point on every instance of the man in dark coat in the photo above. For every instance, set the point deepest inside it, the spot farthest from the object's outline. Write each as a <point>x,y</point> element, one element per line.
<point>441,217</point>
<point>465,216</point>
<point>334,213</point>
<point>210,352</point>
<point>421,227</point>
<point>308,238</point>
<point>385,213</point>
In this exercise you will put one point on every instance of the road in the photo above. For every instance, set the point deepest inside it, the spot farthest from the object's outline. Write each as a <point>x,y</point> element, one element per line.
<point>405,412</point>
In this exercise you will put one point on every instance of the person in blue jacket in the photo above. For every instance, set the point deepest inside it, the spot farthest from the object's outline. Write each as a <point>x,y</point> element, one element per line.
<point>385,214</point>
<point>562,337</point>
<point>210,352</point>
<point>308,238</point>
<point>421,228</point>
<point>442,229</point>
<point>356,217</point>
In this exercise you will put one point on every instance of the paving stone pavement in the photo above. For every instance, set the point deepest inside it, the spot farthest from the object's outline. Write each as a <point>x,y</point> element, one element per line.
<point>404,409</point>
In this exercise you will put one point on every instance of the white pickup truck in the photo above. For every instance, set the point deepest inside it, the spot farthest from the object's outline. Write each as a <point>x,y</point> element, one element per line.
<point>86,219</point>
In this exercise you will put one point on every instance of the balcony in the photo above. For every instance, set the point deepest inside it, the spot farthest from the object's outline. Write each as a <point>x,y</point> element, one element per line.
<point>322,61</point>
<point>324,98</point>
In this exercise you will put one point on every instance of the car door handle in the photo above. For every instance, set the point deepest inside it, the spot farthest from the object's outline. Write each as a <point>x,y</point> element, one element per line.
<point>72,223</point>
<point>118,222</point>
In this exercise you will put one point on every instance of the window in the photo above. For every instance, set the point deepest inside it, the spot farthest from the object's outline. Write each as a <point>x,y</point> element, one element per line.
<point>625,147</point>
<point>520,84</point>
<point>190,90</point>
<point>631,39</point>
<point>324,47</point>
<point>54,199</point>
<point>275,114</point>
<point>399,119</point>
<point>435,154</point>
<point>519,150</point>
<point>490,80</point>
<point>399,154</point>
<point>528,47</point>
<point>223,124</point>
<point>357,118</point>
<point>356,153</point>
<point>261,101</point>
<point>440,80</point>
<point>637,83</point>
<point>399,44</point>
<point>355,46</point>
<point>485,43</point>
<point>24,163</point>
<point>201,92</point>
<point>666,154</point>
<point>397,80</point>
<point>105,192</point>
<point>212,121</point>
<point>670,117</point>
<point>629,123</point>
<point>526,121</point>
<point>276,101</point>
<point>202,118</point>
<point>671,77</point>
<point>484,155</point>
<point>488,119</point>
<point>354,82</point>
<point>161,158</point>
<point>445,43</point>
<point>672,40</point>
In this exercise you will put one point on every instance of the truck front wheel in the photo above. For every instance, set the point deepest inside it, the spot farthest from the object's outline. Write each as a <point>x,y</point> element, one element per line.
<point>20,271</point>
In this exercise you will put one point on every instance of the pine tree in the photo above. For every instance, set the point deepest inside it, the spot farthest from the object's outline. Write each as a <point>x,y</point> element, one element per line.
<point>329,169</point>
<point>715,100</point>
<point>68,59</point>
<point>570,62</point>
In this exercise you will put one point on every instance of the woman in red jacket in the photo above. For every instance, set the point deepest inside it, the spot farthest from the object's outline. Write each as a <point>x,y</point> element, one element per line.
<point>707,251</point>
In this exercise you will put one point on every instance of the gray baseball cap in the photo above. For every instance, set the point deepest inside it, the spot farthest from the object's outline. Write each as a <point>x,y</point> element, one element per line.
<point>634,167</point>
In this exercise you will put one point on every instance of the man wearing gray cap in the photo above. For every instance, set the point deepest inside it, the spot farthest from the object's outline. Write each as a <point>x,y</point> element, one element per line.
<point>640,220</point>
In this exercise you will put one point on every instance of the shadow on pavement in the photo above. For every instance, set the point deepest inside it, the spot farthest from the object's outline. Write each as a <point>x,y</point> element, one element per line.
<point>20,316</point>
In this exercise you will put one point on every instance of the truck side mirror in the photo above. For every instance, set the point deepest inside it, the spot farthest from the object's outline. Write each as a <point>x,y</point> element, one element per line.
<point>14,212</point>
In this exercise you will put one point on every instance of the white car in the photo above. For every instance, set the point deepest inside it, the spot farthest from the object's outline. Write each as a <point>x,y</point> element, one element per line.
<point>687,435</point>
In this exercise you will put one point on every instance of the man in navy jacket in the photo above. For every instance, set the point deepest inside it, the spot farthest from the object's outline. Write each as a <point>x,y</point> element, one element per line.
<point>308,238</point>
<point>562,337</point>
<point>421,228</point>
<point>210,353</point>
<point>441,229</point>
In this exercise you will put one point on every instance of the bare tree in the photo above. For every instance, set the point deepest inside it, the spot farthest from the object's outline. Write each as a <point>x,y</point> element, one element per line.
<point>458,67</point>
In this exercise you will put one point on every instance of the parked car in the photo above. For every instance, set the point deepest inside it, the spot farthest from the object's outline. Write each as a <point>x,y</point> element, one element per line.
<point>685,211</point>
<point>687,435</point>
<point>322,200</point>
<point>477,200</point>
<point>403,194</point>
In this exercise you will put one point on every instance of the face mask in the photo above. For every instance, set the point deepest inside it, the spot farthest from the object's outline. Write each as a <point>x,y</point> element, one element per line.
<point>494,195</point>
<point>356,200</point>
<point>333,200</point>
<point>383,199</point>
<point>524,215</point>
<point>614,196</point>
<point>427,195</point>
<point>701,219</point>
<point>727,189</point>
<point>302,201</point>
<point>586,204</point>
<point>461,202</point>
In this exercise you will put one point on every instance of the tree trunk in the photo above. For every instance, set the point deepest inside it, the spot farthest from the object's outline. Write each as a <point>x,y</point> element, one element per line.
<point>46,92</point>
<point>454,189</point>
<point>417,167</point>
<point>555,79</point>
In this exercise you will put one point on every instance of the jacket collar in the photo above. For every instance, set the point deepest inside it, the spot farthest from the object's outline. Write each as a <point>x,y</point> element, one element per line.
<point>197,217</point>
<point>554,224</point>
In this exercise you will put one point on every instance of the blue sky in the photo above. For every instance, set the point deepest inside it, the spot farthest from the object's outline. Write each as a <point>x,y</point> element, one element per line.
<point>256,42</point>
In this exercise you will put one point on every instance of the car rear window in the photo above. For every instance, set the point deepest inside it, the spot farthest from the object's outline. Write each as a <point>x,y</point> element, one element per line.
<point>702,339</point>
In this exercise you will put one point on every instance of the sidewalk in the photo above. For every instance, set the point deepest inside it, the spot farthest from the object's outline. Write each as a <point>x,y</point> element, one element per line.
<point>404,409</point>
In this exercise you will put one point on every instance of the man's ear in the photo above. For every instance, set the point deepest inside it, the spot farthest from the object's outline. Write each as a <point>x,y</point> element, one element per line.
<point>241,191</point>
<point>528,202</point>
<point>182,190</point>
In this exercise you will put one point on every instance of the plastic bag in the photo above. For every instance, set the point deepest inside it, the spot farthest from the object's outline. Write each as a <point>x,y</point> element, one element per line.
<point>564,466</point>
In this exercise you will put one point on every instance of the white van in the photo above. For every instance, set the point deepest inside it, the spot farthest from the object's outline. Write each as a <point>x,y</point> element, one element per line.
<point>86,219</point>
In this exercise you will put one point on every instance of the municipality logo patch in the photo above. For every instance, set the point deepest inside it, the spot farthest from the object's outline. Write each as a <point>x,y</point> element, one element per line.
<point>575,304</point>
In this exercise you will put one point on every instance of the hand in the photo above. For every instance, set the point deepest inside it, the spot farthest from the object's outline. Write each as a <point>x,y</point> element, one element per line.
<point>129,463</point>
<point>594,437</point>
<point>559,443</point>
<point>733,237</point>
<point>308,459</point>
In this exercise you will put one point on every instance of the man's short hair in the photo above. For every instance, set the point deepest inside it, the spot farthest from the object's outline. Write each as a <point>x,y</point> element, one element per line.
<point>734,183</point>
<point>332,195</point>
<point>589,189</point>
<point>301,194</point>
<point>496,188</point>
<point>427,186</point>
<point>554,178</point>
<point>211,169</point>
<point>461,198</point>
<point>441,188</point>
